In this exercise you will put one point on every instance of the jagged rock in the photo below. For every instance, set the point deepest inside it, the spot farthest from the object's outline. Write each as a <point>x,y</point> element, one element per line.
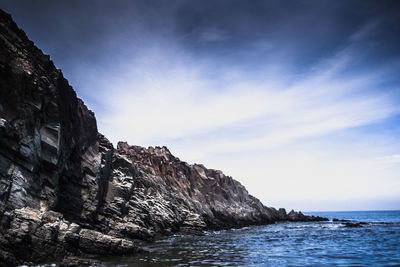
<point>354,225</point>
<point>65,191</point>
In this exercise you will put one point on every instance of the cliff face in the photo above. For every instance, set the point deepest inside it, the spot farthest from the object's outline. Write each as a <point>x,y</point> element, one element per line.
<point>64,189</point>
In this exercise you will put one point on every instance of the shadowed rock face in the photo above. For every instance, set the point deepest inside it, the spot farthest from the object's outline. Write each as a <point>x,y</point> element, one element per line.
<point>64,189</point>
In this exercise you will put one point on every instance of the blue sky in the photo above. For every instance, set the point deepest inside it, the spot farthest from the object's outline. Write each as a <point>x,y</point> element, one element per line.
<point>298,100</point>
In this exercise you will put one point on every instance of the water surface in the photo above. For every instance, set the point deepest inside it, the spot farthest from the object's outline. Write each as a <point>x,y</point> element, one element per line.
<point>317,243</point>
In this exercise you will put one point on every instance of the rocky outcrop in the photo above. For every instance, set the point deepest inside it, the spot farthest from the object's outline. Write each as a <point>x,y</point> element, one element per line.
<point>53,174</point>
<point>66,191</point>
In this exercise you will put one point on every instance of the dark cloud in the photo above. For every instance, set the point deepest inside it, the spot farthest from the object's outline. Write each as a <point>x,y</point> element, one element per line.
<point>303,30</point>
<point>245,34</point>
<point>73,31</point>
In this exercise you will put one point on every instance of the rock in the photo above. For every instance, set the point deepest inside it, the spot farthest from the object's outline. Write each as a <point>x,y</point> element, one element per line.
<point>339,220</point>
<point>300,217</point>
<point>353,225</point>
<point>65,191</point>
<point>77,262</point>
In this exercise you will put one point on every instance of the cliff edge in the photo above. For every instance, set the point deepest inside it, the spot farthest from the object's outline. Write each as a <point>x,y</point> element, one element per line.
<point>66,191</point>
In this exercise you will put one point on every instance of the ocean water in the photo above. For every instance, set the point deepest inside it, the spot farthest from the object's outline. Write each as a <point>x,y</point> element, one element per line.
<point>283,244</point>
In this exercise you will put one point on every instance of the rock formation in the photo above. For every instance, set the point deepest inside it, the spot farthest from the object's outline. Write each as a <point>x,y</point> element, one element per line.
<point>65,190</point>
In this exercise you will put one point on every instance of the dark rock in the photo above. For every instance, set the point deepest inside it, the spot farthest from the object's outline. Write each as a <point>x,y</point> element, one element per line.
<point>339,220</point>
<point>300,217</point>
<point>77,262</point>
<point>354,225</point>
<point>66,192</point>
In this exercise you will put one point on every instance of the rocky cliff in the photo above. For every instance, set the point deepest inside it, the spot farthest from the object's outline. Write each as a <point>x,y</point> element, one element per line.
<point>65,190</point>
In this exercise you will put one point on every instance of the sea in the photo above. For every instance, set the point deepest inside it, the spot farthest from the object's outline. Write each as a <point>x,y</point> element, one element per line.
<point>331,243</point>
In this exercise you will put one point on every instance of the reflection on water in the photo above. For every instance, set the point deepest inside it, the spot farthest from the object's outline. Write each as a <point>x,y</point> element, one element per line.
<point>328,243</point>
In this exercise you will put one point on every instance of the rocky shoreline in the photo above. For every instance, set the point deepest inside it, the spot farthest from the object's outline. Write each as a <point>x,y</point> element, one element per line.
<point>65,191</point>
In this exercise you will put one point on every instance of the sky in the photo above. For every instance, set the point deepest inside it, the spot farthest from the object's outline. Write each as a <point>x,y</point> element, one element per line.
<point>298,100</point>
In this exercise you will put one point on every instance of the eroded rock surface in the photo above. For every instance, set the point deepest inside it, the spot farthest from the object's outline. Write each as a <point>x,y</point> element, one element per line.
<point>65,191</point>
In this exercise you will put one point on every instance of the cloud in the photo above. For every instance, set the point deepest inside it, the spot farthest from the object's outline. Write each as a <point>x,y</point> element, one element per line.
<point>365,31</point>
<point>170,96</point>
<point>214,35</point>
<point>272,133</point>
<point>388,161</point>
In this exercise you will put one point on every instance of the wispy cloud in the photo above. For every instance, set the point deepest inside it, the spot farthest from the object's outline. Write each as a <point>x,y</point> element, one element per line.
<point>170,97</point>
<point>213,35</point>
